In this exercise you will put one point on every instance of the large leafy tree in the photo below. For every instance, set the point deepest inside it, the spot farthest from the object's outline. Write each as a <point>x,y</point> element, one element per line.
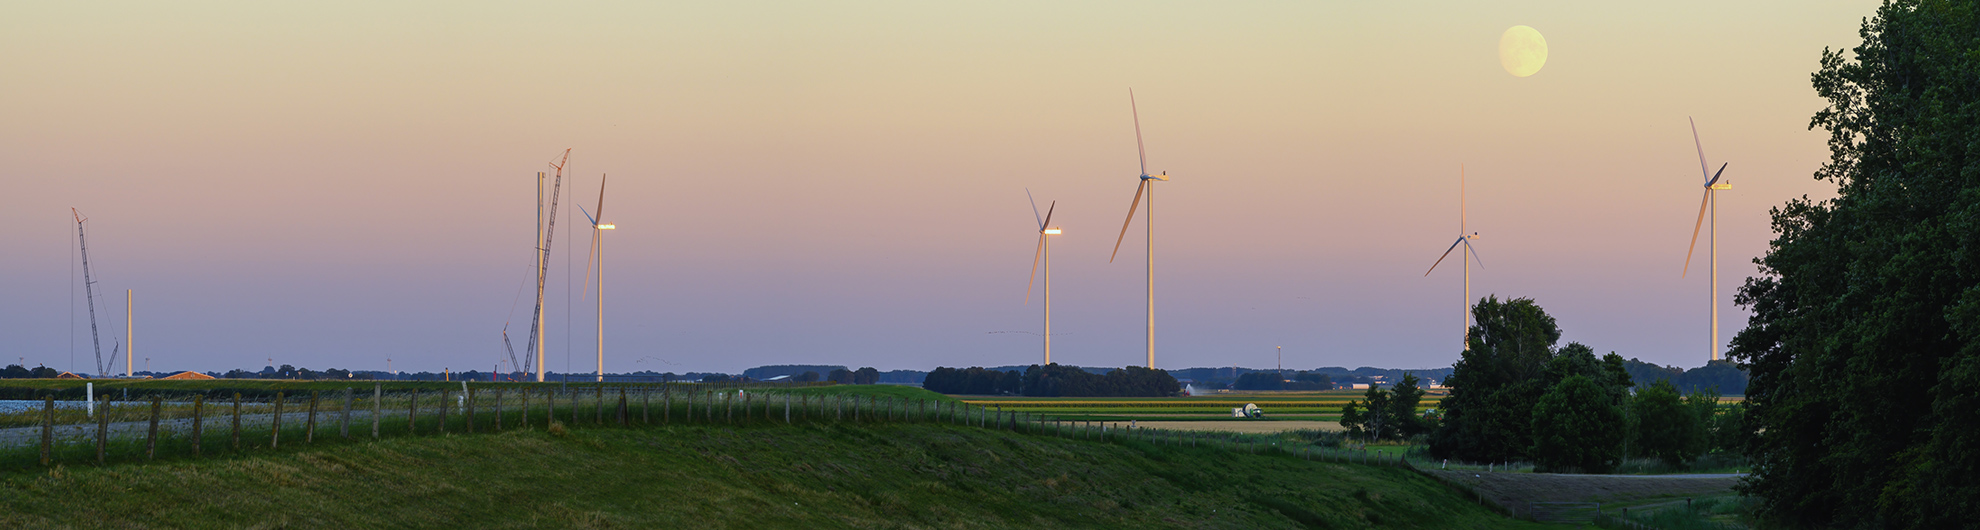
<point>1666,428</point>
<point>1864,344</point>
<point>1577,426</point>
<point>1512,363</point>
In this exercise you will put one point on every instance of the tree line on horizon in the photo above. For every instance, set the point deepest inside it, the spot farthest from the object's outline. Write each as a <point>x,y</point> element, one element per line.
<point>1053,380</point>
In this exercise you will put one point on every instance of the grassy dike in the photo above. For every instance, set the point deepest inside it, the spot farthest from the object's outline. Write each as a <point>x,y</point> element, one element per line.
<point>755,475</point>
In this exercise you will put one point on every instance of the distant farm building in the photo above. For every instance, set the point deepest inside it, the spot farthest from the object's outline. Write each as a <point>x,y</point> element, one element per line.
<point>187,375</point>
<point>68,375</point>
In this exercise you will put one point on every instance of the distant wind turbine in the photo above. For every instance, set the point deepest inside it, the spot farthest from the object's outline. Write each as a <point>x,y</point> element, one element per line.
<point>597,256</point>
<point>1044,251</point>
<point>1712,185</point>
<point>1139,190</point>
<point>1464,238</point>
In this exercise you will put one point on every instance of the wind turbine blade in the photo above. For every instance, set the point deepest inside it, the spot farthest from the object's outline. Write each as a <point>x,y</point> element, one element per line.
<point>589,257</point>
<point>1701,149</point>
<point>587,215</point>
<point>1130,220</point>
<point>1474,253</point>
<point>601,199</point>
<point>1048,216</point>
<point>1034,267</point>
<point>1715,176</point>
<point>1034,209</point>
<point>1137,132</point>
<point>1447,253</point>
<point>1694,232</point>
<point>593,253</point>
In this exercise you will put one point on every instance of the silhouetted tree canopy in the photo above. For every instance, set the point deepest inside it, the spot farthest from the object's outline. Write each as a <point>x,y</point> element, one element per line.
<point>1511,365</point>
<point>1864,343</point>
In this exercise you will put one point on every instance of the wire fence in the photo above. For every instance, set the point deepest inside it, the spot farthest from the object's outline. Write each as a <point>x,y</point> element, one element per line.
<point>194,424</point>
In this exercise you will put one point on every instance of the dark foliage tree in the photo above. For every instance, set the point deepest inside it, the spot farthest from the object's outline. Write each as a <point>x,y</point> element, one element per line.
<point>716,378</point>
<point>806,377</point>
<point>1260,381</point>
<point>1402,408</point>
<point>15,371</point>
<point>1353,420</point>
<point>43,372</point>
<point>841,376</point>
<point>1577,426</point>
<point>1512,363</point>
<point>865,376</point>
<point>1495,383</point>
<point>1053,380</point>
<point>1313,381</point>
<point>1666,428</point>
<point>1864,343</point>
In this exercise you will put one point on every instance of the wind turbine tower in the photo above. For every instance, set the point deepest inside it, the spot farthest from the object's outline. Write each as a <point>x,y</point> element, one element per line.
<point>1464,238</point>
<point>1147,185</point>
<point>1045,231</point>
<point>598,228</point>
<point>1710,203</point>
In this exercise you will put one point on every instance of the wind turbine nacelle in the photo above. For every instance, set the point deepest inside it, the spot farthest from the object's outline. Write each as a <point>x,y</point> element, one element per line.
<point>1723,185</point>
<point>1053,231</point>
<point>1164,177</point>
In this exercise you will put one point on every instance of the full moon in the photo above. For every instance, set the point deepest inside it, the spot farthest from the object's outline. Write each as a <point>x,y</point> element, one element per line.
<point>1522,51</point>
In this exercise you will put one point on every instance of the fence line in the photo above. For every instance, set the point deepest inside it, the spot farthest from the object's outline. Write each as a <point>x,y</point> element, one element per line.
<point>120,429</point>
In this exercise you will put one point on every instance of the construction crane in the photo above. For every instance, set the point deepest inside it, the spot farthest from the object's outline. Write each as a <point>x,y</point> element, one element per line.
<point>543,265</point>
<point>89,290</point>
<point>510,348</point>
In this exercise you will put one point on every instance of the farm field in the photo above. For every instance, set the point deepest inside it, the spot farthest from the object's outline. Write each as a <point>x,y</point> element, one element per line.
<point>1302,410</point>
<point>743,475</point>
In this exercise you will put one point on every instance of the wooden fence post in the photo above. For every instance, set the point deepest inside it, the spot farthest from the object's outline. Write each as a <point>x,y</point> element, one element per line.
<point>599,415</point>
<point>275,428</point>
<point>236,445</point>
<point>468,396</point>
<point>309,431</point>
<point>377,407</point>
<point>666,403</point>
<point>103,428</point>
<point>623,420</point>
<point>151,436</point>
<point>498,409</point>
<point>199,415</point>
<point>412,413</point>
<point>525,407</point>
<point>646,405</point>
<point>344,419</point>
<point>47,428</point>
<point>443,412</point>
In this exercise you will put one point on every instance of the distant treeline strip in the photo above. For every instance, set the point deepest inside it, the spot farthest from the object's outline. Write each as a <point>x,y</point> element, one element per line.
<point>1053,380</point>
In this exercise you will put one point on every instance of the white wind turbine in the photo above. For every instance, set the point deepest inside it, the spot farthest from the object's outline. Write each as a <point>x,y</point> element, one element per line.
<point>1712,185</point>
<point>1464,238</point>
<point>598,228</point>
<point>1045,230</point>
<point>1149,189</point>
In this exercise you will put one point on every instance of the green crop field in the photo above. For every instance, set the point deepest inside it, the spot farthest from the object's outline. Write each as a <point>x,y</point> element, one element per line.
<point>758,474</point>
<point>1294,406</point>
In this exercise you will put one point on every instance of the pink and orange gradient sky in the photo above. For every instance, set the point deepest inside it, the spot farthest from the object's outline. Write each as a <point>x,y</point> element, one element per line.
<point>333,185</point>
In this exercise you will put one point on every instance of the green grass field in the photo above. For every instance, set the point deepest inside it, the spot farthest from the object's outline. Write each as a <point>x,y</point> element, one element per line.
<point>754,475</point>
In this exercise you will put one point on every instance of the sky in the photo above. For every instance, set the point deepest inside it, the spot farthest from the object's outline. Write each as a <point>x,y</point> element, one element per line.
<point>339,184</point>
